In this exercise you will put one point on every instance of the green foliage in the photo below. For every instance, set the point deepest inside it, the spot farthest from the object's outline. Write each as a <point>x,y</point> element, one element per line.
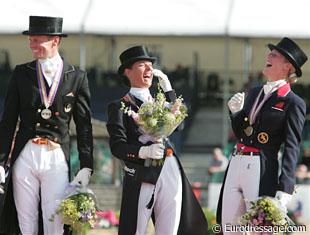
<point>264,211</point>
<point>211,218</point>
<point>78,211</point>
<point>158,118</point>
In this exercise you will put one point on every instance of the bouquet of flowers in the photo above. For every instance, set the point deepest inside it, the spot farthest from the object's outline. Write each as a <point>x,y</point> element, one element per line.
<point>158,119</point>
<point>265,211</point>
<point>78,210</point>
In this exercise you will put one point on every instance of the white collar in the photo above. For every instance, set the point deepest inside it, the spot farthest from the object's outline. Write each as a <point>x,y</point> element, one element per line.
<point>270,85</point>
<point>49,67</point>
<point>142,94</point>
<point>55,60</point>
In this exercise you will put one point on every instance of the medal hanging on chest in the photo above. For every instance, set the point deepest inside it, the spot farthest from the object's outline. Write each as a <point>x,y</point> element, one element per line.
<point>257,107</point>
<point>48,100</point>
<point>248,131</point>
<point>46,114</point>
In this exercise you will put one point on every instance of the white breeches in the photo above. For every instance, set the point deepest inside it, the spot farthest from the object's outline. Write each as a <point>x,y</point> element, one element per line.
<point>167,201</point>
<point>39,171</point>
<point>241,186</point>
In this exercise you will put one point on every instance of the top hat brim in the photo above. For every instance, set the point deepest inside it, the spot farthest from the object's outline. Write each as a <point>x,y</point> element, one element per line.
<point>288,57</point>
<point>26,32</point>
<point>121,68</point>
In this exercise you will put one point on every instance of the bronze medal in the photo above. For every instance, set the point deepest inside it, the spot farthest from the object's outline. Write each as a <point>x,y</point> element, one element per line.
<point>263,137</point>
<point>248,131</point>
<point>46,114</point>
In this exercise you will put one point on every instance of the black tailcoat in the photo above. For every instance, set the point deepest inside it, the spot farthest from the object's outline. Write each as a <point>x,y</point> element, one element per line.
<point>125,145</point>
<point>23,101</point>
<point>280,122</point>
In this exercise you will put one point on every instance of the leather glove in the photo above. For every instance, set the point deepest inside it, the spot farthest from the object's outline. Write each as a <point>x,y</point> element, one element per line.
<point>163,80</point>
<point>82,177</point>
<point>235,104</point>
<point>154,151</point>
<point>2,175</point>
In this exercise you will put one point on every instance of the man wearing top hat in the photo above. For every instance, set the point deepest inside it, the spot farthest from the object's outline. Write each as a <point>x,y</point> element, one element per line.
<point>266,119</point>
<point>158,190</point>
<point>44,94</point>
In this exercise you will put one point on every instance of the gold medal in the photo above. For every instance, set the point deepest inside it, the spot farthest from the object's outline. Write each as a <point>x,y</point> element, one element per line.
<point>263,137</point>
<point>248,131</point>
<point>46,114</point>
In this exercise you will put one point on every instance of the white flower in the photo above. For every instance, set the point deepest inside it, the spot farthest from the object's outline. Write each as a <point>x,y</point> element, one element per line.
<point>160,118</point>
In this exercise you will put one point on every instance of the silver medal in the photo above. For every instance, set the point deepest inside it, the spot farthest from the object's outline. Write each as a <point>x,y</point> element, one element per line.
<point>46,114</point>
<point>248,131</point>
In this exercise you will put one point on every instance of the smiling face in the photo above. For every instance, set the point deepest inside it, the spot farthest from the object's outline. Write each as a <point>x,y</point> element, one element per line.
<point>277,66</point>
<point>43,46</point>
<point>140,74</point>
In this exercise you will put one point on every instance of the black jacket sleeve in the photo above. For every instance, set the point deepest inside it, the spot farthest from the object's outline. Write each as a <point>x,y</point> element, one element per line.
<point>293,130</point>
<point>82,119</point>
<point>119,140</point>
<point>9,117</point>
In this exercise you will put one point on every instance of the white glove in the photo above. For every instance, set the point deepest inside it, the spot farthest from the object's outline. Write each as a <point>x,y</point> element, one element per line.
<point>154,151</point>
<point>82,177</point>
<point>235,104</point>
<point>2,179</point>
<point>2,175</point>
<point>283,197</point>
<point>163,80</point>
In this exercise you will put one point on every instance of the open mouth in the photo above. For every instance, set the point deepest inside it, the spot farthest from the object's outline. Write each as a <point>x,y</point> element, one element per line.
<point>268,65</point>
<point>147,76</point>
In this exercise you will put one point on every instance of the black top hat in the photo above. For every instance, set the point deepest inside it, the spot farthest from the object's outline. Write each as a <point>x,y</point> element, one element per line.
<point>132,55</point>
<point>292,52</point>
<point>44,25</point>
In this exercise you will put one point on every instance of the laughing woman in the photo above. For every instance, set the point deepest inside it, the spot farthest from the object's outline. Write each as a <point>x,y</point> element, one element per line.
<point>266,119</point>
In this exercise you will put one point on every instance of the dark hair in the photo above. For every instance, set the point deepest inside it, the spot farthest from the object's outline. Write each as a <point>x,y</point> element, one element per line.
<point>125,79</point>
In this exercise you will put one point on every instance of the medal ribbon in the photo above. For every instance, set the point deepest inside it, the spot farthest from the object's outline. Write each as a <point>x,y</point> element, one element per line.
<point>257,107</point>
<point>128,96</point>
<point>47,100</point>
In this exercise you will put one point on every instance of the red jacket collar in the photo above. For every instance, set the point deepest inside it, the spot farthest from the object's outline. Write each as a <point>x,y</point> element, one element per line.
<point>284,90</point>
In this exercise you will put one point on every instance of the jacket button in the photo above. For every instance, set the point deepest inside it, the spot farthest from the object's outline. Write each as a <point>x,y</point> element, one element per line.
<point>39,110</point>
<point>56,127</point>
<point>38,124</point>
<point>56,113</point>
<point>245,119</point>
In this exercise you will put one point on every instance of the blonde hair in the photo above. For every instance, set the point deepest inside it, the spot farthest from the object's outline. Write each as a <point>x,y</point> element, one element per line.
<point>292,78</point>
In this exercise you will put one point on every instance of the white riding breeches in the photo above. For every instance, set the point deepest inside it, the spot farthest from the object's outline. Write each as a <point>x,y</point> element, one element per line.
<point>167,201</point>
<point>241,186</point>
<point>39,174</point>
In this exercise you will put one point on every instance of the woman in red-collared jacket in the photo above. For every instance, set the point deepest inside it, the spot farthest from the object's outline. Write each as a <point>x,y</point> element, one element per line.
<point>269,117</point>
